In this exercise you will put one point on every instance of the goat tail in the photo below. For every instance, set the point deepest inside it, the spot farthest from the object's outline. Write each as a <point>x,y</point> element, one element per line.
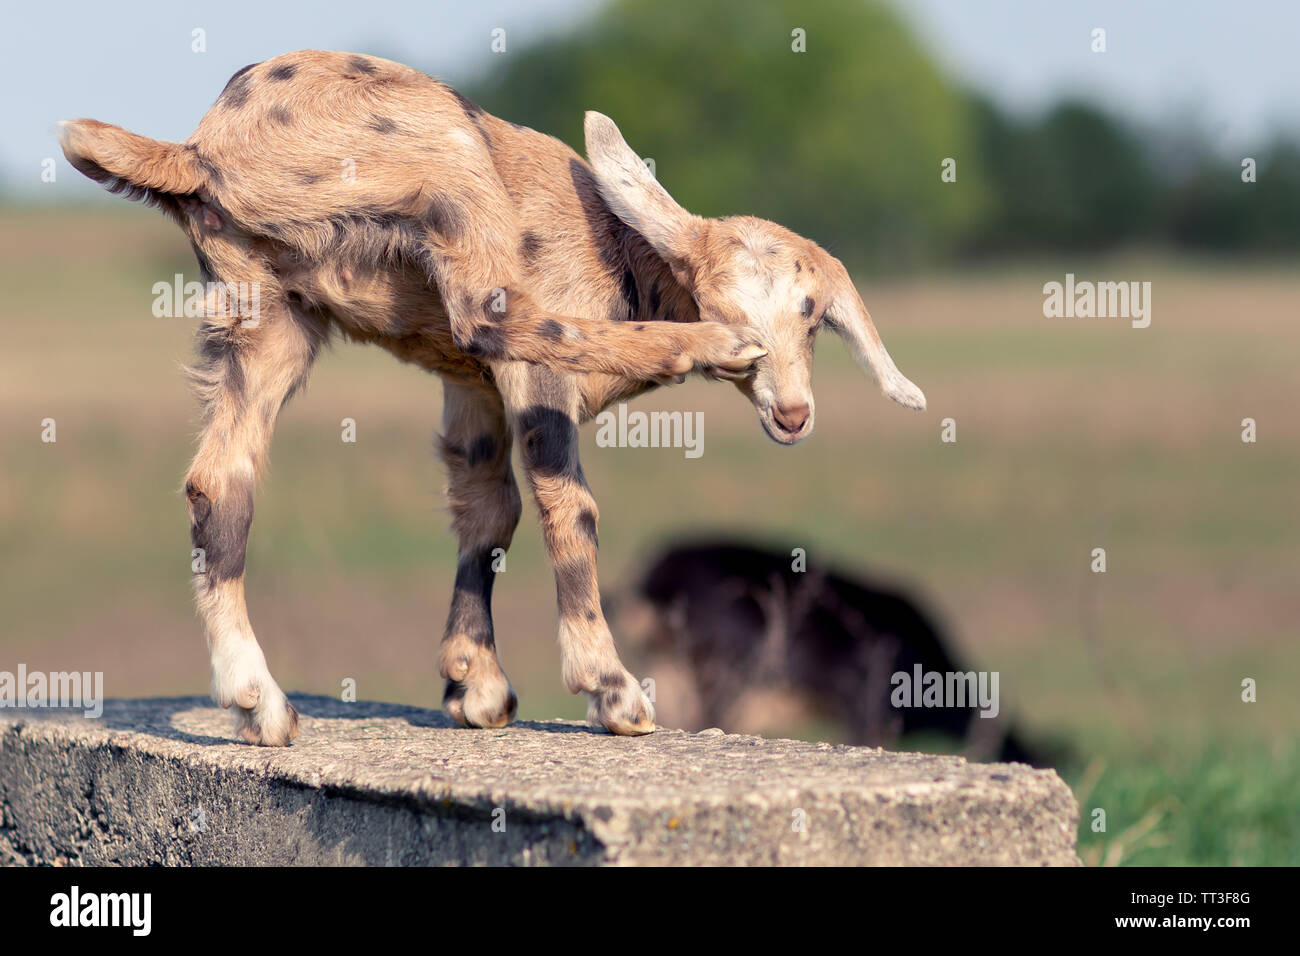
<point>141,168</point>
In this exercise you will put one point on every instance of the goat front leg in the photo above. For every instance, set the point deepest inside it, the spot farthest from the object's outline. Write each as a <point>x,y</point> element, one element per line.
<point>485,508</point>
<point>508,324</point>
<point>542,406</point>
<point>243,378</point>
<point>494,320</point>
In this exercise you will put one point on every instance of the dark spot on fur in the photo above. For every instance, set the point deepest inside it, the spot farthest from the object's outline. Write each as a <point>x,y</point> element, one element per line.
<point>215,178</point>
<point>284,71</point>
<point>446,217</point>
<point>630,294</point>
<point>486,342</point>
<point>472,109</point>
<point>280,115</point>
<point>471,600</point>
<point>481,451</point>
<point>385,218</point>
<point>587,523</point>
<point>798,266</point>
<point>548,439</point>
<point>235,93</point>
<point>552,331</point>
<point>359,64</point>
<point>271,230</point>
<point>482,131</point>
<point>220,528</point>
<point>530,247</point>
<point>382,125</point>
<point>572,588</point>
<point>199,502</point>
<point>611,683</point>
<point>219,358</point>
<point>307,178</point>
<point>639,327</point>
<point>806,309</point>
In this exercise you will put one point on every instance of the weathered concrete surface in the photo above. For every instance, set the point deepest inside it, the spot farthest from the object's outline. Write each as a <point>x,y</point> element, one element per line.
<point>160,781</point>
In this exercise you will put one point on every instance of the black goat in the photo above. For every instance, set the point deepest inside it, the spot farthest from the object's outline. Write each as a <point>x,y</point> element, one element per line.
<point>734,637</point>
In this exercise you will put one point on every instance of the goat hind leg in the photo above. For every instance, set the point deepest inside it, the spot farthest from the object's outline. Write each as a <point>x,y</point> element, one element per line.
<point>244,378</point>
<point>485,507</point>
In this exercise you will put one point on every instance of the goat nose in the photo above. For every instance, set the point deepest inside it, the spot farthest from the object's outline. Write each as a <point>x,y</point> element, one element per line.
<point>791,419</point>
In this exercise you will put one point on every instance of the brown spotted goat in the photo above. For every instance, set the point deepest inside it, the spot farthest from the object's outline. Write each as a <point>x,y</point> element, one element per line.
<point>359,195</point>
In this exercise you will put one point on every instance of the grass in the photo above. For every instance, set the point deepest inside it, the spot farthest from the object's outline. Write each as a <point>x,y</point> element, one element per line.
<point>1072,434</point>
<point>1221,805</point>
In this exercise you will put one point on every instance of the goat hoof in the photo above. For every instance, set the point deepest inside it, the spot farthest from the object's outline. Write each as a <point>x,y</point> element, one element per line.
<point>482,704</point>
<point>622,709</point>
<point>271,722</point>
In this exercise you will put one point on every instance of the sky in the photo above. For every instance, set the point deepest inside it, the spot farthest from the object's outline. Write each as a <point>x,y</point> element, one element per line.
<point>1229,65</point>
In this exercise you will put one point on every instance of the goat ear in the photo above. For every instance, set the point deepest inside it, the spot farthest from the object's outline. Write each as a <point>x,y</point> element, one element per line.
<point>633,194</point>
<point>848,316</point>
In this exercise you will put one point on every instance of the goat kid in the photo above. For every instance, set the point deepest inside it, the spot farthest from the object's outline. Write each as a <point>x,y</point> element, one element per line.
<point>361,196</point>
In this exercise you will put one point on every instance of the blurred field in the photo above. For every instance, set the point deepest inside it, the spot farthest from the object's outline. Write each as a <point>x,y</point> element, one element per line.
<point>1072,434</point>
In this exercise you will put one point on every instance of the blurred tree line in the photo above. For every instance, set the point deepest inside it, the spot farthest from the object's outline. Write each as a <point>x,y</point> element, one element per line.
<point>844,141</point>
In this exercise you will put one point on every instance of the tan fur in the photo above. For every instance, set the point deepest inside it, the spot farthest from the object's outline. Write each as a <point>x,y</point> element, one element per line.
<point>361,196</point>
